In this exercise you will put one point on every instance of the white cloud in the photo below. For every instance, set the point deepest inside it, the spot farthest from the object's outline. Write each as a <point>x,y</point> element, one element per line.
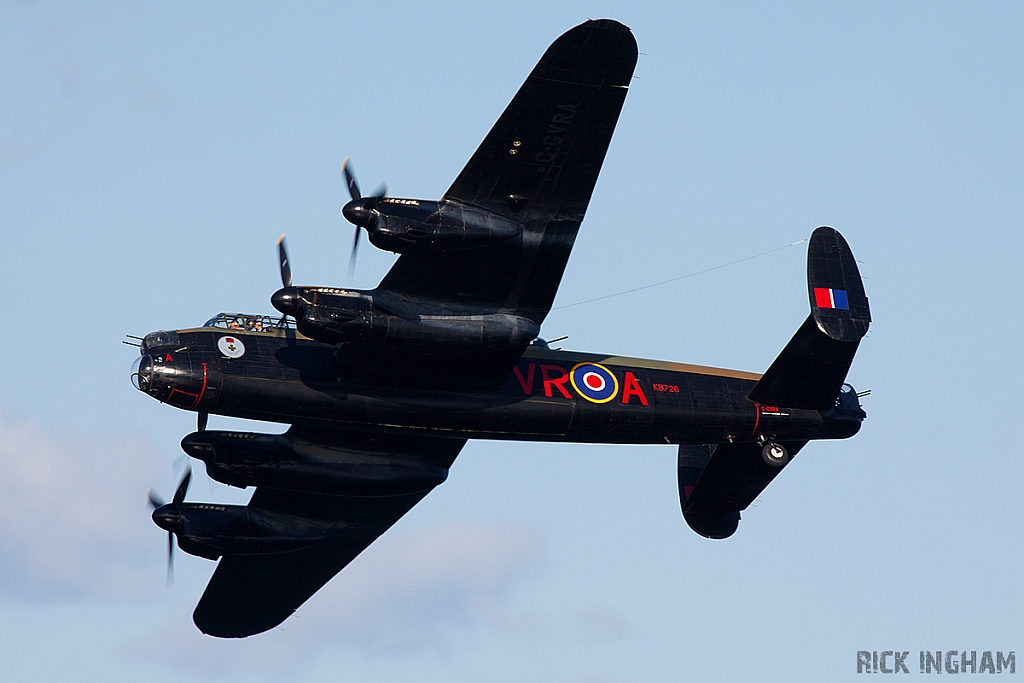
<point>404,596</point>
<point>411,592</point>
<point>73,519</point>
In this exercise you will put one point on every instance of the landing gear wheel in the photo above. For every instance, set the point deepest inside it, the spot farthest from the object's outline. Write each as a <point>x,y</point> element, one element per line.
<point>775,454</point>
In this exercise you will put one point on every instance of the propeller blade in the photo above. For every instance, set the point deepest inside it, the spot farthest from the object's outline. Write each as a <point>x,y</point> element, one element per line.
<point>154,499</point>
<point>282,258</point>
<point>179,495</point>
<point>350,180</point>
<point>170,558</point>
<point>170,518</point>
<point>352,256</point>
<point>358,212</point>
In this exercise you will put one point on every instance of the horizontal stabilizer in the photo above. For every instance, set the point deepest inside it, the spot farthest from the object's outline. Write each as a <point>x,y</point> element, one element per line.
<point>810,371</point>
<point>717,481</point>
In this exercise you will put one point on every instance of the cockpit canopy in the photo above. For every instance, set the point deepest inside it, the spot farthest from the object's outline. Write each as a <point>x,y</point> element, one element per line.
<point>243,322</point>
<point>158,338</point>
<point>246,322</point>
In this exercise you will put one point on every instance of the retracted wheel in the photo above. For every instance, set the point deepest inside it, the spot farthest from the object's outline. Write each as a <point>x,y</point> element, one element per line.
<point>775,454</point>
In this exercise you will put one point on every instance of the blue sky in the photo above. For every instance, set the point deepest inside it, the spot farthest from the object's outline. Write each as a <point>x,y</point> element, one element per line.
<point>150,155</point>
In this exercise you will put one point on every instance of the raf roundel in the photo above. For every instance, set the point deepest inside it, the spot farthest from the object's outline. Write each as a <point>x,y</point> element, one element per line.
<point>232,347</point>
<point>594,382</point>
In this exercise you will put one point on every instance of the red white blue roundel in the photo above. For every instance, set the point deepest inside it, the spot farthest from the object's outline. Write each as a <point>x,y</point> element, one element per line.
<point>594,382</point>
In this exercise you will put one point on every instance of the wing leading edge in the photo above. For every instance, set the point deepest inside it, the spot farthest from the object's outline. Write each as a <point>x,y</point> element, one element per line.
<point>538,166</point>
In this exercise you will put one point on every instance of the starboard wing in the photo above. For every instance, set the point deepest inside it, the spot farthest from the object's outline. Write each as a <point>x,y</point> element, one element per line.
<point>538,166</point>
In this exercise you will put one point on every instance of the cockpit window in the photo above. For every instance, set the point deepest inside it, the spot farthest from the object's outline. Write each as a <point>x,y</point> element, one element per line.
<point>160,338</point>
<point>244,322</point>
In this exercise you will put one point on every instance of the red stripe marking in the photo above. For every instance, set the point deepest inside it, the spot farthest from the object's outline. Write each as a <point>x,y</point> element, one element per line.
<point>203,390</point>
<point>175,392</point>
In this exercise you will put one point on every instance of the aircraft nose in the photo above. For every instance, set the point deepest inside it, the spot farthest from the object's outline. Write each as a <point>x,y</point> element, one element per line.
<point>173,376</point>
<point>142,372</point>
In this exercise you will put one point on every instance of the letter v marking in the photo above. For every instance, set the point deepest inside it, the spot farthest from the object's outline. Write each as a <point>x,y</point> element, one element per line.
<point>526,384</point>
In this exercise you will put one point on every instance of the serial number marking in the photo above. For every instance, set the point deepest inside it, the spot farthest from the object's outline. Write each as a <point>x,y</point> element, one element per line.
<point>554,135</point>
<point>667,388</point>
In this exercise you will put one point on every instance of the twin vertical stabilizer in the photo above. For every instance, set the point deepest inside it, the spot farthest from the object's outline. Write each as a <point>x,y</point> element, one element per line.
<point>718,481</point>
<point>810,371</point>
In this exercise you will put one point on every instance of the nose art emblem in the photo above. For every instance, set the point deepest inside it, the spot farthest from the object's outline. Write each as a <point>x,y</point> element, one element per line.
<point>232,347</point>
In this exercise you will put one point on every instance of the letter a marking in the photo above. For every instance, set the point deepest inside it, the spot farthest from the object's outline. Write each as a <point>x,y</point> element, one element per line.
<point>631,387</point>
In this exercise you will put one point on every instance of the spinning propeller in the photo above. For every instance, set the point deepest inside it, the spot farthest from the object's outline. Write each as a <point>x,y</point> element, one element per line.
<point>358,210</point>
<point>168,516</point>
<point>286,299</point>
<point>282,258</point>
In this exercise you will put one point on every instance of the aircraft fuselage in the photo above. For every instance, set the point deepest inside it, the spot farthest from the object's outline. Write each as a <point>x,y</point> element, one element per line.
<point>551,395</point>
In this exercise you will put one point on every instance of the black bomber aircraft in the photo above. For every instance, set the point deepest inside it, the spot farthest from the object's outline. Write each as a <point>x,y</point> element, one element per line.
<point>383,387</point>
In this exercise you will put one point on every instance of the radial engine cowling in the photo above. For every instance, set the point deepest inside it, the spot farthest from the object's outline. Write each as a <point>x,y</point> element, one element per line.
<point>325,461</point>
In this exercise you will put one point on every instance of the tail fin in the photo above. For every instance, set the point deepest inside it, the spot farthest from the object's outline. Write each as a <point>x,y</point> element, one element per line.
<point>810,371</point>
<point>718,481</point>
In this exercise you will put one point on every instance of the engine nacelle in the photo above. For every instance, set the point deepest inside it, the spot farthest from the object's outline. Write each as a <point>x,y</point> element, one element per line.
<point>321,461</point>
<point>210,530</point>
<point>328,314</point>
<point>332,315</point>
<point>408,225</point>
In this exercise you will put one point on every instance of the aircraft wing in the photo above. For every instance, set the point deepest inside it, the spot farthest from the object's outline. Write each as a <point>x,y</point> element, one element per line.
<point>249,594</point>
<point>538,166</point>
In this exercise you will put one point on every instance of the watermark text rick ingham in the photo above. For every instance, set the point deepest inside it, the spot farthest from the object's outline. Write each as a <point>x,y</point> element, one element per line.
<point>937,662</point>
